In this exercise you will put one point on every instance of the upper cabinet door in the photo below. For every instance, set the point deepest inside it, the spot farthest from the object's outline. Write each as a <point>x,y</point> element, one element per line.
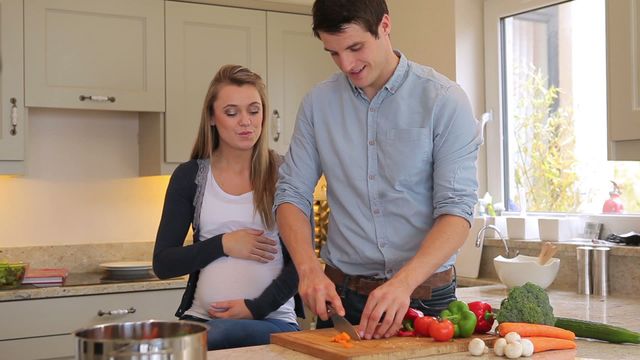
<point>623,76</point>
<point>200,39</point>
<point>297,62</point>
<point>12,125</point>
<point>92,54</point>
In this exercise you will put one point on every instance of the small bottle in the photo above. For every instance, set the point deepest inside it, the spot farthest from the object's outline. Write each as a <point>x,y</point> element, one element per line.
<point>614,204</point>
<point>583,257</point>
<point>600,270</point>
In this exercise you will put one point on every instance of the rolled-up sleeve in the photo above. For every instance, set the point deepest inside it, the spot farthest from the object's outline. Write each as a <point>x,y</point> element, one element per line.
<point>457,138</point>
<point>301,169</point>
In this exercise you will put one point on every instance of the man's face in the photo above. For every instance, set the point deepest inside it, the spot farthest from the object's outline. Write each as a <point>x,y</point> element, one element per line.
<point>361,56</point>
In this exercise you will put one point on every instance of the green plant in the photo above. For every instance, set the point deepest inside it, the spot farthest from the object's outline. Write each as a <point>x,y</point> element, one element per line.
<point>544,135</point>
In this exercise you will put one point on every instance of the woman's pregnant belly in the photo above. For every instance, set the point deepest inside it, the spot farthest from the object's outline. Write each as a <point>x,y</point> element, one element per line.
<point>231,278</point>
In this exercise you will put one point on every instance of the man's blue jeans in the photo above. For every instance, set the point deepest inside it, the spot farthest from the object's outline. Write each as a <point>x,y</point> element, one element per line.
<point>232,333</point>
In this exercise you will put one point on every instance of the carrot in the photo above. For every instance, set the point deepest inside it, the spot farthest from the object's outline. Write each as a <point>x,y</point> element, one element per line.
<point>541,343</point>
<point>343,338</point>
<point>526,329</point>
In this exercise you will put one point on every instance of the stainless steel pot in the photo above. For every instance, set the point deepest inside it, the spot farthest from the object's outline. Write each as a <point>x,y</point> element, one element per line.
<point>143,340</point>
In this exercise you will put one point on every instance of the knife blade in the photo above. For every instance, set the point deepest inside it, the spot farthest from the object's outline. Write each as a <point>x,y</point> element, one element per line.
<point>341,324</point>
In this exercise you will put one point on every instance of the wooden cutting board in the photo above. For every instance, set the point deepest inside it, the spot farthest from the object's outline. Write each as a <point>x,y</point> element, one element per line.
<point>318,343</point>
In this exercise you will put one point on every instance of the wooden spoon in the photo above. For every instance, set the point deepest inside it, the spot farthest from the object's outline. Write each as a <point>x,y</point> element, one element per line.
<point>546,252</point>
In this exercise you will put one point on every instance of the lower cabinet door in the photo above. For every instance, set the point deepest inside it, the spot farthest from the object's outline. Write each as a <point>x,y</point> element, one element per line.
<point>43,328</point>
<point>48,347</point>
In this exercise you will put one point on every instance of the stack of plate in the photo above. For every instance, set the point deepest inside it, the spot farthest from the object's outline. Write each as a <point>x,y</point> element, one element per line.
<point>128,270</point>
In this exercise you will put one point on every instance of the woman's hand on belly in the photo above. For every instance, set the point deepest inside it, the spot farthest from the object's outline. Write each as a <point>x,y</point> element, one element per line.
<point>231,309</point>
<point>250,244</point>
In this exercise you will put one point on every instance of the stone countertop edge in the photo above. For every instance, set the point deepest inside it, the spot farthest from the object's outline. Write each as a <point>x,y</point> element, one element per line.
<point>94,289</point>
<point>613,310</point>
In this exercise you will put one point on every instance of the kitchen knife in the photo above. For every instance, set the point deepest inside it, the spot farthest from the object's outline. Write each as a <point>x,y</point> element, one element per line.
<point>341,324</point>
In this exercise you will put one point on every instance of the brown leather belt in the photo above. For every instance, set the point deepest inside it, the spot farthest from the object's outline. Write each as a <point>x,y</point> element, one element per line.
<point>364,285</point>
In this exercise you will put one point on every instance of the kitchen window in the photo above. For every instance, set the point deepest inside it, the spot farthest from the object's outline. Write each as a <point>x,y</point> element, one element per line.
<point>546,71</point>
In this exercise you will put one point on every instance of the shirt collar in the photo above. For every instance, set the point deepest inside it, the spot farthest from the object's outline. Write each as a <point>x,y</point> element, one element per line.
<point>396,80</point>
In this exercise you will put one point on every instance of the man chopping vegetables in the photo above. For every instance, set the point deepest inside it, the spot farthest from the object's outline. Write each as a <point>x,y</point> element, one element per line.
<point>397,143</point>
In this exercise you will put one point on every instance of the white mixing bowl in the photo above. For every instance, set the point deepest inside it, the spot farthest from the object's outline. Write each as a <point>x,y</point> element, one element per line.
<point>522,269</point>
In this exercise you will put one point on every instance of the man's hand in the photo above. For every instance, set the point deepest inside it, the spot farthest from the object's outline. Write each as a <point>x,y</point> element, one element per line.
<point>317,290</point>
<point>231,309</point>
<point>249,244</point>
<point>390,300</point>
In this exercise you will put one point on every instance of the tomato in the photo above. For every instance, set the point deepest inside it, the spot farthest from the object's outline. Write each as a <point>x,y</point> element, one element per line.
<point>441,330</point>
<point>422,324</point>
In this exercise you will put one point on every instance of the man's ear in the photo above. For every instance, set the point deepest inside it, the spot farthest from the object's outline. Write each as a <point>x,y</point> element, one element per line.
<point>385,25</point>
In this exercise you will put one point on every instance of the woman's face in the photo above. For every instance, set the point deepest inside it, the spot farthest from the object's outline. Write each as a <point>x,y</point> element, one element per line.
<point>237,113</point>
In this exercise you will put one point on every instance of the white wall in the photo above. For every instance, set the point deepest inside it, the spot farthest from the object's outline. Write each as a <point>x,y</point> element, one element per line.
<point>424,31</point>
<point>81,183</point>
<point>470,66</point>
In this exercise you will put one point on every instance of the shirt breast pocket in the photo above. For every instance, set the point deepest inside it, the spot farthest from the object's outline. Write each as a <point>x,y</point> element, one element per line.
<point>405,156</point>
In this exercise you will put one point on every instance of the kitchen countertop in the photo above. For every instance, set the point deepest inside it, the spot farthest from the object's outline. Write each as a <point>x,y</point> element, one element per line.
<point>611,310</point>
<point>91,283</point>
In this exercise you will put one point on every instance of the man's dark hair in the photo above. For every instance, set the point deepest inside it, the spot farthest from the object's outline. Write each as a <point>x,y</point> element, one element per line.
<point>332,16</point>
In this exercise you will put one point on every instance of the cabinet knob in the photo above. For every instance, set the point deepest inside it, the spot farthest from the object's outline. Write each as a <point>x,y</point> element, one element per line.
<point>98,98</point>
<point>130,310</point>
<point>13,116</point>
<point>276,125</point>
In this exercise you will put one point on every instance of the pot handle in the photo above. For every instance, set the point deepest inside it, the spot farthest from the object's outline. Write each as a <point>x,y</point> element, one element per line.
<point>130,310</point>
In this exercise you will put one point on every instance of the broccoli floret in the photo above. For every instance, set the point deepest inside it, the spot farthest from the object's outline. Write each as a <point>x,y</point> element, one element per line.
<point>527,303</point>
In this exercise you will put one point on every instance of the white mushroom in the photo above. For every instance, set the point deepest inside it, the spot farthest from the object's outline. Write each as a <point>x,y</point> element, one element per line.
<point>527,347</point>
<point>498,346</point>
<point>513,350</point>
<point>476,347</point>
<point>512,337</point>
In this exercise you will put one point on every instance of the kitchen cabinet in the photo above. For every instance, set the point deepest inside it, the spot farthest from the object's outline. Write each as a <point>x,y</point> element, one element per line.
<point>105,55</point>
<point>296,61</point>
<point>199,39</point>
<point>12,114</point>
<point>623,79</point>
<point>42,328</point>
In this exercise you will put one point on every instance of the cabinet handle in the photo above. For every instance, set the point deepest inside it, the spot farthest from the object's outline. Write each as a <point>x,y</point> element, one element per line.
<point>14,117</point>
<point>98,98</point>
<point>276,125</point>
<point>130,310</point>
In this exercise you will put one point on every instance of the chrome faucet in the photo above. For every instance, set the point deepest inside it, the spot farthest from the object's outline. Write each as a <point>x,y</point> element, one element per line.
<point>480,237</point>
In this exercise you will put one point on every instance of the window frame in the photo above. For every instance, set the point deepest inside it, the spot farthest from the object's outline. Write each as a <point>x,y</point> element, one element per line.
<point>495,136</point>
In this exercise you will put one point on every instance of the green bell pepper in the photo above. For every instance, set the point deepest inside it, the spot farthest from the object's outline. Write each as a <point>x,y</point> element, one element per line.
<point>464,320</point>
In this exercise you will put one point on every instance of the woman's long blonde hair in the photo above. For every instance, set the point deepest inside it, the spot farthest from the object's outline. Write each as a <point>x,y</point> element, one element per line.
<point>264,162</point>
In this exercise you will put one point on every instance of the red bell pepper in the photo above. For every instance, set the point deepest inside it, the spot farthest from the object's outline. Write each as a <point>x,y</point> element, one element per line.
<point>408,328</point>
<point>406,333</point>
<point>484,314</point>
<point>412,314</point>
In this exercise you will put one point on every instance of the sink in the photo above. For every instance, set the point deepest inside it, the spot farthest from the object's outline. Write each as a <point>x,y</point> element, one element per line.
<point>521,269</point>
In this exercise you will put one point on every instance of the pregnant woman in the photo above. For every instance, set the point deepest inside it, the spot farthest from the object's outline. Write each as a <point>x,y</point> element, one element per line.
<point>241,280</point>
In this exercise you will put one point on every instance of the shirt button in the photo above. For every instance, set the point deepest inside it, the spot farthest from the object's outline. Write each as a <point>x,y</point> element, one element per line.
<point>372,110</point>
<point>376,211</point>
<point>382,244</point>
<point>372,142</point>
<point>372,177</point>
